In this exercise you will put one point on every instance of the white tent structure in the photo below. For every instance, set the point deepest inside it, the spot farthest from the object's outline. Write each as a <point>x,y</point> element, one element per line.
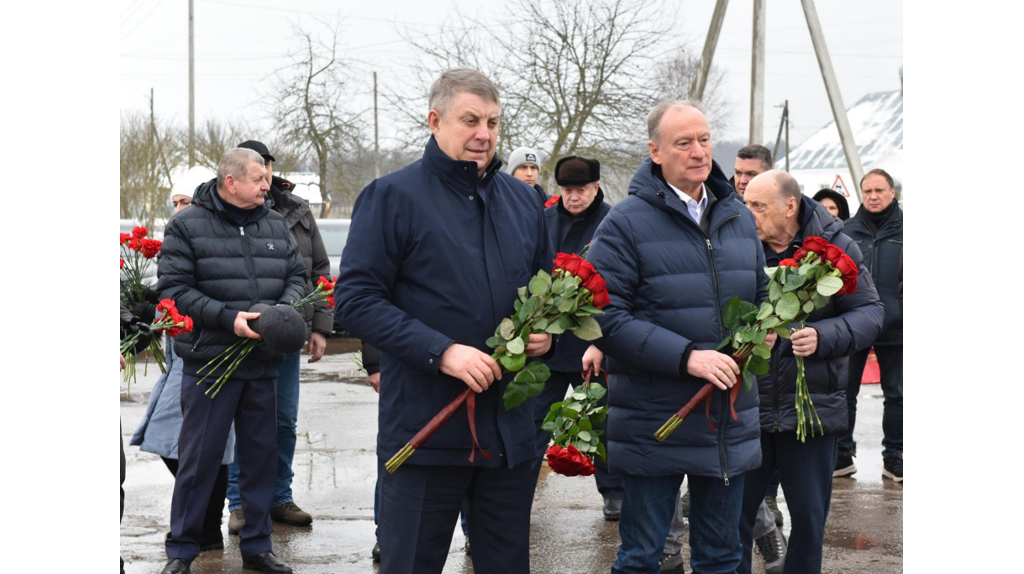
<point>877,124</point>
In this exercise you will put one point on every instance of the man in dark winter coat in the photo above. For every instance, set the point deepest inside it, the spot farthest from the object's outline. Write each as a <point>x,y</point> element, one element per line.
<point>435,257</point>
<point>673,253</point>
<point>878,230</point>
<point>319,322</point>
<point>572,223</point>
<point>785,217</point>
<point>220,257</point>
<point>524,165</point>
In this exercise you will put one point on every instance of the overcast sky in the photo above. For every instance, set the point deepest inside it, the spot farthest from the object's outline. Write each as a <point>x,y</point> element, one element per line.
<point>239,43</point>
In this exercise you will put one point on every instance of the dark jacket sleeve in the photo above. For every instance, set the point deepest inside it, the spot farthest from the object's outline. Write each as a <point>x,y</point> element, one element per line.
<point>176,273</point>
<point>371,358</point>
<point>858,318</point>
<point>628,339</point>
<point>323,318</point>
<point>369,269</point>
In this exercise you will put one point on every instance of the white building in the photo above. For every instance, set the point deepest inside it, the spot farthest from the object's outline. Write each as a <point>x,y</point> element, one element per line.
<point>877,124</point>
<point>307,186</point>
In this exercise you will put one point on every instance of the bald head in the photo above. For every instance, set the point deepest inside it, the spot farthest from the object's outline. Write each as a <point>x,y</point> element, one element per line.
<point>774,199</point>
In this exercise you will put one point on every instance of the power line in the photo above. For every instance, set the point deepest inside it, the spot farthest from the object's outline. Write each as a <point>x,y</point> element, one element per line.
<point>144,18</point>
<point>295,11</point>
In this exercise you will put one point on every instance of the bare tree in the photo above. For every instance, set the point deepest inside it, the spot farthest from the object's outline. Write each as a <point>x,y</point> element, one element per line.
<point>673,78</point>
<point>216,137</point>
<point>309,102</point>
<point>150,150</point>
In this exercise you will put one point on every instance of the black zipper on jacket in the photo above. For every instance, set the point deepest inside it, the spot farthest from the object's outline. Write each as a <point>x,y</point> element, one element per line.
<point>253,292</point>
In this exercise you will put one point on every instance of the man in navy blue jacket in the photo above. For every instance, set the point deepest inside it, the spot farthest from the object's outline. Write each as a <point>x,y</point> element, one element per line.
<point>785,217</point>
<point>673,253</point>
<point>435,256</point>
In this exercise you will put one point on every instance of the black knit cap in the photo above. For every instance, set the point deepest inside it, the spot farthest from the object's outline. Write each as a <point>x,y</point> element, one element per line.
<point>576,170</point>
<point>257,147</point>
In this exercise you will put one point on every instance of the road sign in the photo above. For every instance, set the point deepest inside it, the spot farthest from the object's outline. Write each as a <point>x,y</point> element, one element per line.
<point>840,187</point>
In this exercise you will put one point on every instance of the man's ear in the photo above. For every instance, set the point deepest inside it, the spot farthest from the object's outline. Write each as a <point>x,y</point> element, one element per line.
<point>433,120</point>
<point>655,156</point>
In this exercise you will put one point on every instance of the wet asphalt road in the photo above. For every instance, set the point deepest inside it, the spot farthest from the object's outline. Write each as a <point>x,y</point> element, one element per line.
<point>335,472</point>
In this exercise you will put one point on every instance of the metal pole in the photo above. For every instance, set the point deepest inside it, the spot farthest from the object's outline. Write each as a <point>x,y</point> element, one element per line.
<point>786,113</point>
<point>757,76</point>
<point>834,97</point>
<point>701,79</point>
<point>778,138</point>
<point>376,141</point>
<point>191,90</point>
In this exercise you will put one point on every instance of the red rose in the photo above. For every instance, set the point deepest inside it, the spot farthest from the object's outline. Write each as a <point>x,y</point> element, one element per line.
<point>799,255</point>
<point>789,263</point>
<point>832,254</point>
<point>601,298</point>
<point>586,271</point>
<point>139,232</point>
<point>848,268</point>
<point>815,244</point>
<point>122,262</point>
<point>330,301</point>
<point>551,201</point>
<point>150,247</point>
<point>569,262</point>
<point>124,237</point>
<point>594,283</point>
<point>559,459</point>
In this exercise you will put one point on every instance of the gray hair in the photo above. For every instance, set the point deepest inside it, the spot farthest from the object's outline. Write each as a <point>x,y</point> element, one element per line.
<point>654,118</point>
<point>451,83</point>
<point>235,162</point>
<point>754,151</point>
<point>787,186</point>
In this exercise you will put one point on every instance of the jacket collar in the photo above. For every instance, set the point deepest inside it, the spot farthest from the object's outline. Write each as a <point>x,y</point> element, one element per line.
<point>457,173</point>
<point>649,184</point>
<point>891,225</point>
<point>817,221</point>
<point>282,201</point>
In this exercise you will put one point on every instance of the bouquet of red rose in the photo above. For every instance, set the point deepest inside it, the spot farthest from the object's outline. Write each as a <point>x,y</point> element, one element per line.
<point>572,424</point>
<point>233,356</point>
<point>796,288</point>
<point>170,320</point>
<point>564,300</point>
<point>137,253</point>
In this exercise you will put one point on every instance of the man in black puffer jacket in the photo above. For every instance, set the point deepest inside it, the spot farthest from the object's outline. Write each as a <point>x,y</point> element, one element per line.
<point>846,325</point>
<point>220,257</point>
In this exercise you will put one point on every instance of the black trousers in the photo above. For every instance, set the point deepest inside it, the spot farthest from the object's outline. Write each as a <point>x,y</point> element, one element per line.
<point>123,465</point>
<point>252,405</point>
<point>805,471</point>
<point>214,508</point>
<point>419,506</point>
<point>609,484</point>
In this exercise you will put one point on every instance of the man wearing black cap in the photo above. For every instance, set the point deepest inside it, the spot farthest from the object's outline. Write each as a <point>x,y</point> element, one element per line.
<point>572,222</point>
<point>319,322</point>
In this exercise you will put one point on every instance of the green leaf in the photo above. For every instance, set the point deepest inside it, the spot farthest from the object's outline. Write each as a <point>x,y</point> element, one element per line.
<point>591,309</point>
<point>771,272</point>
<point>598,418</point>
<point>558,285</point>
<point>774,291</point>
<point>506,329</point>
<point>567,306</point>
<point>528,308</point>
<point>724,342</point>
<point>805,268</point>
<point>514,362</point>
<point>748,308</point>
<point>601,452</point>
<point>549,427</point>
<point>538,286</point>
<point>731,313</point>
<point>597,392</point>
<point>793,282</point>
<point>808,307</point>
<point>788,307</point>
<point>539,370</point>
<point>585,424</point>
<point>540,324</point>
<point>517,305</point>
<point>579,396</point>
<point>515,395</point>
<point>588,330</point>
<point>584,435</point>
<point>568,322</point>
<point>819,301</point>
<point>522,294</point>
<point>585,447</point>
<point>748,381</point>
<point>570,414</point>
<point>494,341</point>
<point>762,350</point>
<point>757,365</point>
<point>766,309</point>
<point>829,286</point>
<point>516,347</point>
<point>782,331</point>
<point>770,322</point>
<point>555,328</point>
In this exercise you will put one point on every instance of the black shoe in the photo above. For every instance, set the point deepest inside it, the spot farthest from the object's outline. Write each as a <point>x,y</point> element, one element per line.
<point>844,466</point>
<point>177,566</point>
<point>672,563</point>
<point>773,549</point>
<point>612,509</point>
<point>892,468</point>
<point>266,562</point>
<point>376,552</point>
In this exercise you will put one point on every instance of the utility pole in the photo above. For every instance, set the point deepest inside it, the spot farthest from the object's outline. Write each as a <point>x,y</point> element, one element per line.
<point>757,76</point>
<point>778,138</point>
<point>191,90</point>
<point>834,97</point>
<point>376,141</point>
<point>787,136</point>
<point>697,90</point>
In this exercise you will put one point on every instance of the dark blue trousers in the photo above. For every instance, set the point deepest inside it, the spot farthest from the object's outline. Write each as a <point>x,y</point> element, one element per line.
<point>609,484</point>
<point>890,365</point>
<point>419,506</point>
<point>251,404</point>
<point>805,471</point>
